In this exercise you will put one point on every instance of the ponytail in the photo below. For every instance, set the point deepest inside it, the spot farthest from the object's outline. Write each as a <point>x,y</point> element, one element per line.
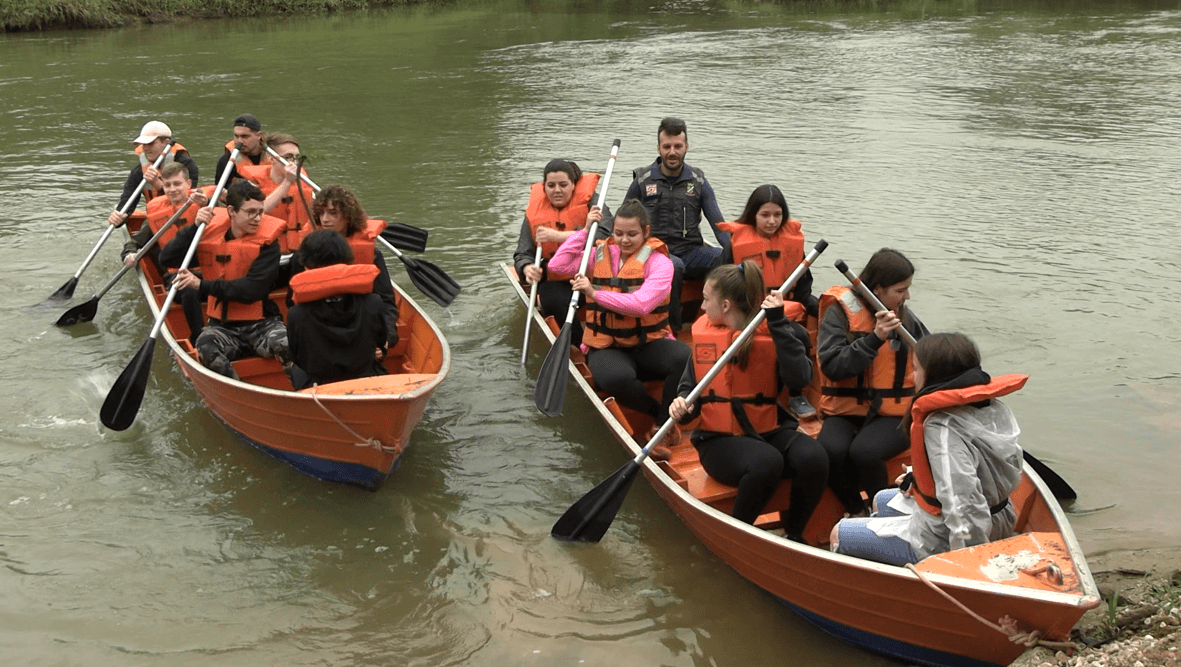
<point>742,285</point>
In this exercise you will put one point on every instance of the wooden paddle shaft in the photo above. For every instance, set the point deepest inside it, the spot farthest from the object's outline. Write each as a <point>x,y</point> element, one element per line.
<point>284,162</point>
<point>144,250</point>
<point>126,207</point>
<point>872,299</point>
<point>747,332</point>
<point>529,310</point>
<point>593,229</point>
<point>221,185</point>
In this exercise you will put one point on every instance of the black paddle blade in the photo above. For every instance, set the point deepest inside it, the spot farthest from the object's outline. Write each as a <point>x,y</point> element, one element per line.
<point>405,237</point>
<point>122,404</point>
<point>550,391</point>
<point>588,519</point>
<point>80,313</point>
<point>65,291</point>
<point>431,280</point>
<point>1057,485</point>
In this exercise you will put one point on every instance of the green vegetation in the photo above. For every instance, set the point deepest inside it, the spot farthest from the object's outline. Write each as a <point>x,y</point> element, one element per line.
<point>20,15</point>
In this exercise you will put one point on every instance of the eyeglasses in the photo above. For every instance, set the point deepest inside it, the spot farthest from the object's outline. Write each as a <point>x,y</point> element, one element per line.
<point>252,212</point>
<point>290,157</point>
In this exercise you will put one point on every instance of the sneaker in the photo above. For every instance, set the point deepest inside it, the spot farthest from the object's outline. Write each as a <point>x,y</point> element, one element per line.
<point>800,407</point>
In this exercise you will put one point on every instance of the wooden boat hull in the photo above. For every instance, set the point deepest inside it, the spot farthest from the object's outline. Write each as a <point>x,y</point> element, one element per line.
<point>879,607</point>
<point>350,432</point>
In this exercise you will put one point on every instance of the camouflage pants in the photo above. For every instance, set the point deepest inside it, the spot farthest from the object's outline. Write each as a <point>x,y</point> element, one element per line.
<point>222,342</point>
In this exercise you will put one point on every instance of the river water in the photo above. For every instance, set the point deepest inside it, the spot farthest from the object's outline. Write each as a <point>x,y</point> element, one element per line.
<point>1023,155</point>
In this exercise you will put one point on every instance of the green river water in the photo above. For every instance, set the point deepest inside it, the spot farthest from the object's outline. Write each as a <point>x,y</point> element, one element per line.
<point>1023,154</point>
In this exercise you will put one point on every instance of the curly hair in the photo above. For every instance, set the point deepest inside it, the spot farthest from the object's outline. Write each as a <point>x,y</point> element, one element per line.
<point>343,200</point>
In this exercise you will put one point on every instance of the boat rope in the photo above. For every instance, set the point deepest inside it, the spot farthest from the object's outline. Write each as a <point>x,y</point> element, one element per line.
<point>1007,627</point>
<point>361,441</point>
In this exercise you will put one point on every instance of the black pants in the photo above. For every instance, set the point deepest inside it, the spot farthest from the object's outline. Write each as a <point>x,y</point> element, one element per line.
<point>622,371</point>
<point>857,453</point>
<point>553,298</point>
<point>756,466</point>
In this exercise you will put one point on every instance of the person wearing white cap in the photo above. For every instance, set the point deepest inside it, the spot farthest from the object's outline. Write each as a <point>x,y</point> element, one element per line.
<point>152,139</point>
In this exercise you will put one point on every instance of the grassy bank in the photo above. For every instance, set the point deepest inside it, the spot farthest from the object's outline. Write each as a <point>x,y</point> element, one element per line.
<point>21,15</point>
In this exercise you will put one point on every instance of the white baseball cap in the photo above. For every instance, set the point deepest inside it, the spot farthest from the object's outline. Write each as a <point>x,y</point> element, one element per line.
<point>152,131</point>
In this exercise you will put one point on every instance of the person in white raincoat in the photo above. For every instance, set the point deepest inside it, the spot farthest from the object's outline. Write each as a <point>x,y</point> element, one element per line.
<point>974,462</point>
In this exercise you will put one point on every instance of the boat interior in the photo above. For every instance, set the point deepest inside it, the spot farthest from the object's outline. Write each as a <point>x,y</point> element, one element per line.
<point>1037,526</point>
<point>417,353</point>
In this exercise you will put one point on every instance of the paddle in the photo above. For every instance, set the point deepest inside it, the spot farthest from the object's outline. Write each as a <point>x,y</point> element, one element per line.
<point>550,391</point>
<point>67,290</point>
<point>428,278</point>
<point>86,311</point>
<point>591,515</point>
<point>123,401</point>
<point>529,311</point>
<point>1058,486</point>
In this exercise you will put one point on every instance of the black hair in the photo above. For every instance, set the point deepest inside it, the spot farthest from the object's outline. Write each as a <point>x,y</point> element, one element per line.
<point>567,167</point>
<point>672,127</point>
<point>240,191</point>
<point>324,247</point>
<point>762,195</point>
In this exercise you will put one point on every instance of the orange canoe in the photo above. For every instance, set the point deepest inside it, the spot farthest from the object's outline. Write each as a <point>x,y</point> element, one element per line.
<point>1037,580</point>
<point>352,432</point>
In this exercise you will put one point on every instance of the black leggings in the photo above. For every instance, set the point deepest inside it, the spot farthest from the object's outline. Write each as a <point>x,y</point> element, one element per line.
<point>553,298</point>
<point>756,466</point>
<point>622,371</point>
<point>857,453</point>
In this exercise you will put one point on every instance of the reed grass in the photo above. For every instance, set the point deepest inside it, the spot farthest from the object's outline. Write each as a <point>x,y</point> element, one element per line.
<point>24,15</point>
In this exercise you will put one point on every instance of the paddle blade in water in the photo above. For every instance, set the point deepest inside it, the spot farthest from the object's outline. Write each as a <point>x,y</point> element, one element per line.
<point>81,313</point>
<point>405,237</point>
<point>65,291</point>
<point>431,281</point>
<point>122,404</point>
<point>588,519</point>
<point>1054,481</point>
<point>550,391</point>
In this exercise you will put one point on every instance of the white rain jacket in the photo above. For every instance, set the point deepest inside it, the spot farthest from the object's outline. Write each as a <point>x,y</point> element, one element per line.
<point>976,463</point>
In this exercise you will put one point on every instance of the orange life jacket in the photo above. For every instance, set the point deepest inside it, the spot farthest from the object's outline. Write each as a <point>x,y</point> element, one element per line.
<point>606,328</point>
<point>923,406</point>
<point>571,218</point>
<point>244,161</point>
<point>290,209</point>
<point>229,260</point>
<point>321,283</point>
<point>887,383</point>
<point>362,241</point>
<point>144,163</point>
<point>777,256</point>
<point>740,401</point>
<point>161,209</point>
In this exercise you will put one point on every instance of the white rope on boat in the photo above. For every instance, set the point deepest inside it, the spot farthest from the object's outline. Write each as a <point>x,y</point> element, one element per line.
<point>361,441</point>
<point>1007,627</point>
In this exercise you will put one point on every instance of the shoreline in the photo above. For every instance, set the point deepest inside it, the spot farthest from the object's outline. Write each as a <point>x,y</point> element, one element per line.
<point>18,16</point>
<point>1139,624</point>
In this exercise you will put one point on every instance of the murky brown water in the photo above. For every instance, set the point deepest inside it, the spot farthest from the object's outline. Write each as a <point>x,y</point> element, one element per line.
<point>1024,156</point>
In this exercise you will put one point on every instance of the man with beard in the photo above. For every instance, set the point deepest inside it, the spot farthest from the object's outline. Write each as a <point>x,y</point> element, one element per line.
<point>675,196</point>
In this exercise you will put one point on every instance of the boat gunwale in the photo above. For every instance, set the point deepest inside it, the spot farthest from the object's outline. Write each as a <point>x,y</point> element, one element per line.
<point>1088,598</point>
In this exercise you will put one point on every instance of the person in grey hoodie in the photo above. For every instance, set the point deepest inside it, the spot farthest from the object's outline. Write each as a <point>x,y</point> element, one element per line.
<point>973,459</point>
